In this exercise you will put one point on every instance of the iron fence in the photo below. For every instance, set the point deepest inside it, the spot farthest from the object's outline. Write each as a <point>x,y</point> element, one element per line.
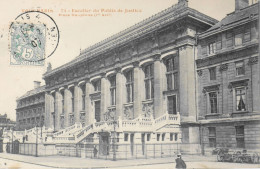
<point>122,151</point>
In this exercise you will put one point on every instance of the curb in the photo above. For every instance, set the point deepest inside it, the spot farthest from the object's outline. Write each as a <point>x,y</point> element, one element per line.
<point>86,167</point>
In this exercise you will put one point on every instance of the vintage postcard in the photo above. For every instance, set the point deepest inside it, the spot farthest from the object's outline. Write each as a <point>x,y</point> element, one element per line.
<point>130,84</point>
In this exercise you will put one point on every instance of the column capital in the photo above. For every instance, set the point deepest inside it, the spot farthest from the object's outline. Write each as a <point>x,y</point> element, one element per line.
<point>136,64</point>
<point>157,57</point>
<point>118,69</point>
<point>223,67</point>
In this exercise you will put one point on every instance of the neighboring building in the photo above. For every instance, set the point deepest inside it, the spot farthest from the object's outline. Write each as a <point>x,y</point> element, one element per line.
<point>228,80</point>
<point>6,123</point>
<point>140,77</point>
<point>30,111</point>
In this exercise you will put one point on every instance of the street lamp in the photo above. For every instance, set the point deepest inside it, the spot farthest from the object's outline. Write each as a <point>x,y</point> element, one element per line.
<point>114,140</point>
<point>36,145</point>
<point>12,140</point>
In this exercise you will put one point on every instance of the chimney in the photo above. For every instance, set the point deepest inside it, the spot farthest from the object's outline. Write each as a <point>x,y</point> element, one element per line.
<point>185,2</point>
<point>240,4</point>
<point>36,84</point>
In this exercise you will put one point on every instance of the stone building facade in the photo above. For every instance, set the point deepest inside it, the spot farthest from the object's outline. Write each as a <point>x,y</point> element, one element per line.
<point>30,111</point>
<point>139,78</point>
<point>228,81</point>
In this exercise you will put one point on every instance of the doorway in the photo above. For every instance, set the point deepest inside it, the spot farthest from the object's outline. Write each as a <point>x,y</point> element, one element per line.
<point>104,143</point>
<point>132,143</point>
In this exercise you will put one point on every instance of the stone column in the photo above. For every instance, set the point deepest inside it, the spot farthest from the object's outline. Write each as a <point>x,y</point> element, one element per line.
<point>67,107</point>
<point>89,113</point>
<point>119,93</point>
<point>187,97</point>
<point>158,93</point>
<point>225,90</point>
<point>104,96</point>
<point>48,115</point>
<point>58,110</point>
<point>187,83</point>
<point>77,104</point>
<point>137,90</point>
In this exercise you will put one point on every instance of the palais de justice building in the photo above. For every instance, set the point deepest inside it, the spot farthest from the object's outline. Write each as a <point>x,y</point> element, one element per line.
<point>143,74</point>
<point>177,77</point>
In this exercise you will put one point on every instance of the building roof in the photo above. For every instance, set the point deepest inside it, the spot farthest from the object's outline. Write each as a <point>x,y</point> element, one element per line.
<point>33,92</point>
<point>142,28</point>
<point>234,17</point>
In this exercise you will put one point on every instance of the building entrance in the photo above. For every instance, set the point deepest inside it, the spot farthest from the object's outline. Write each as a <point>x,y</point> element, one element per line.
<point>104,143</point>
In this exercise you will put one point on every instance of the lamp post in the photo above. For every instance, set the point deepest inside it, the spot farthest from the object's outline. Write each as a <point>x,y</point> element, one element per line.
<point>114,140</point>
<point>36,145</point>
<point>12,140</point>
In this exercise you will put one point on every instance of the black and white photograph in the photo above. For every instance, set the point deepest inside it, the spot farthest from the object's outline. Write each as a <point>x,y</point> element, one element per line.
<point>120,84</point>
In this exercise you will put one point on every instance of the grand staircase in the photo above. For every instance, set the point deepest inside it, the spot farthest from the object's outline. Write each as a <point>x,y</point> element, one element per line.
<point>75,133</point>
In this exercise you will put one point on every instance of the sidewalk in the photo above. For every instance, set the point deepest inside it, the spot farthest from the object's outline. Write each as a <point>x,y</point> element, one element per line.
<point>76,162</point>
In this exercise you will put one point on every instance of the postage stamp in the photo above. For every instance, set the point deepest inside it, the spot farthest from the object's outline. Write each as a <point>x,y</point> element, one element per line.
<point>34,36</point>
<point>28,44</point>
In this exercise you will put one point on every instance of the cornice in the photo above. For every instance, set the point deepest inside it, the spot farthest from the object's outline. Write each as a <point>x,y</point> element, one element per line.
<point>156,22</point>
<point>228,55</point>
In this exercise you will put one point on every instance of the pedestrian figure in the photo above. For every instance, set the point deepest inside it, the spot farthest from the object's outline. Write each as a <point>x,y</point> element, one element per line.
<point>95,151</point>
<point>180,164</point>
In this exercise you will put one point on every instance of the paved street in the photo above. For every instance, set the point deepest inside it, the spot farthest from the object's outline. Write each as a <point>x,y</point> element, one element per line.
<point>196,165</point>
<point>25,162</point>
<point>11,164</point>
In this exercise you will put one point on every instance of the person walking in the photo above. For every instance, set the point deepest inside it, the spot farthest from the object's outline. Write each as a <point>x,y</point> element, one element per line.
<point>95,151</point>
<point>180,164</point>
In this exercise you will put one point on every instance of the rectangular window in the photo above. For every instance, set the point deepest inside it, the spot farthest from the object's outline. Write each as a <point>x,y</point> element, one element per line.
<point>126,137</point>
<point>240,137</point>
<point>171,136</point>
<point>149,85</point>
<point>113,90</point>
<point>62,100</point>
<point>212,73</point>
<point>158,137</point>
<point>241,99</point>
<point>170,75</point>
<point>172,104</point>
<point>83,88</point>
<point>176,137</point>
<point>238,39</point>
<point>213,102</point>
<point>163,136</point>
<point>117,138</point>
<point>240,68</point>
<point>72,99</point>
<point>148,137</point>
<point>129,86</point>
<point>247,34</point>
<point>212,136</point>
<point>97,85</point>
<point>229,41</point>
<point>212,48</point>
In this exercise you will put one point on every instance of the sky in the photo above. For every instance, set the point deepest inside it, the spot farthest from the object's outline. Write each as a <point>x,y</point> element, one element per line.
<point>77,33</point>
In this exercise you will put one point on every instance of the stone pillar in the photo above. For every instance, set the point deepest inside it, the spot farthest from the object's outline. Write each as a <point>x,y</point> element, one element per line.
<point>119,94</point>
<point>105,100</point>
<point>158,93</point>
<point>77,104</point>
<point>58,110</point>
<point>190,133</point>
<point>225,90</point>
<point>67,107</point>
<point>187,83</point>
<point>48,116</point>
<point>137,90</point>
<point>89,113</point>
